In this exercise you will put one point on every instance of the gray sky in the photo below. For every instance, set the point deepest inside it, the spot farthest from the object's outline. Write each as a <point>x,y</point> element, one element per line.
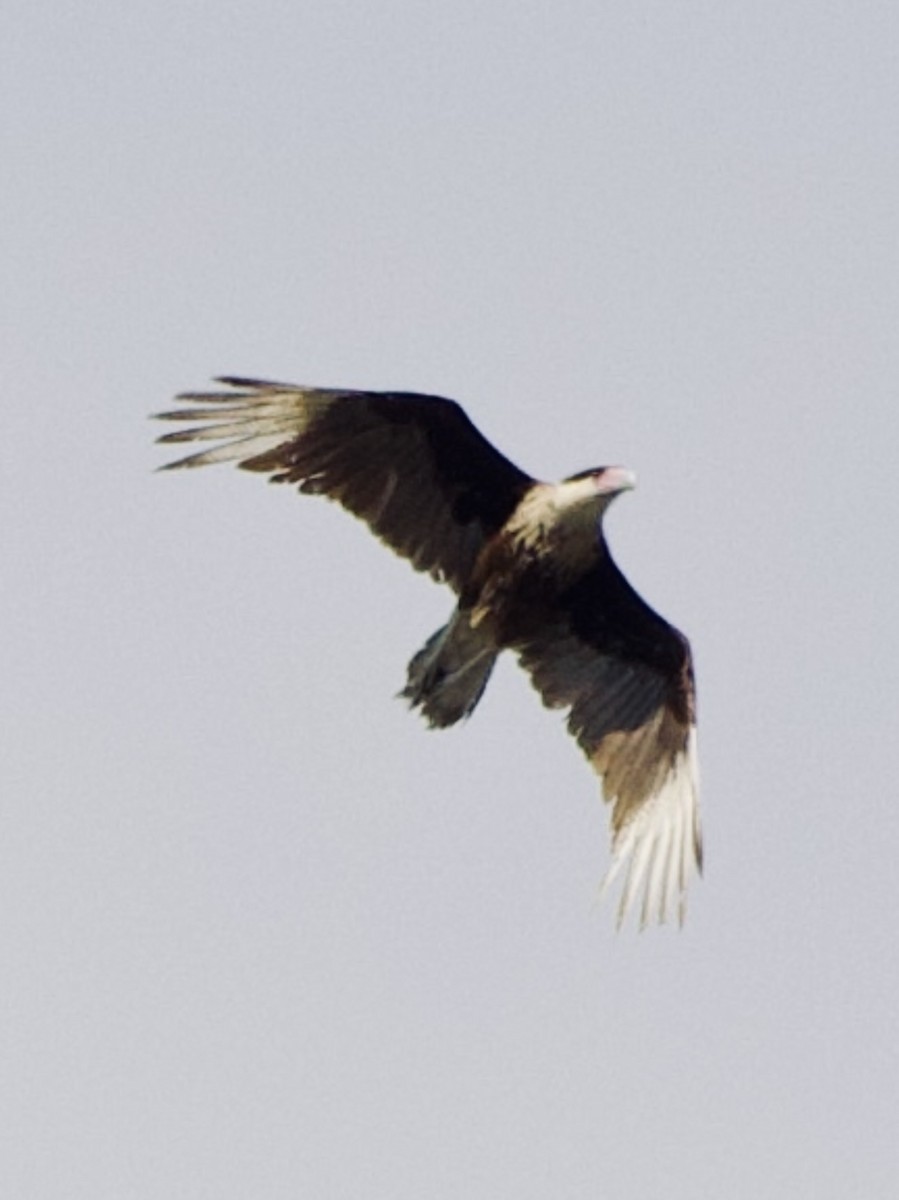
<point>261,934</point>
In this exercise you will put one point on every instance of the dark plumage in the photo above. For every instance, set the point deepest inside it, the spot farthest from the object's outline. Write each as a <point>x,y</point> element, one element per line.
<point>532,572</point>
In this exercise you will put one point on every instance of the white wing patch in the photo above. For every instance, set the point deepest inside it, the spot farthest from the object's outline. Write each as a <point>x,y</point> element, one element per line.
<point>248,423</point>
<point>658,848</point>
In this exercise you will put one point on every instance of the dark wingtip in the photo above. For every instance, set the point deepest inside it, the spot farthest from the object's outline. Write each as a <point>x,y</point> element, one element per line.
<point>244,381</point>
<point>176,465</point>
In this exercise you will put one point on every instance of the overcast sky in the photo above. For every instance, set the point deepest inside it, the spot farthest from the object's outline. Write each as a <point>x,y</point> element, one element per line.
<point>263,935</point>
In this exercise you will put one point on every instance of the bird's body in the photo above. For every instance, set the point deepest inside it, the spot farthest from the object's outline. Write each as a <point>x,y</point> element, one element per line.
<point>533,574</point>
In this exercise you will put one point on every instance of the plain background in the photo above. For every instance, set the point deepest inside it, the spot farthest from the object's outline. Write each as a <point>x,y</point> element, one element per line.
<point>261,934</point>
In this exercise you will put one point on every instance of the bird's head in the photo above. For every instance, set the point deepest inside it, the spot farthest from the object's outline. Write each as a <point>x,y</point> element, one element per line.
<point>600,484</point>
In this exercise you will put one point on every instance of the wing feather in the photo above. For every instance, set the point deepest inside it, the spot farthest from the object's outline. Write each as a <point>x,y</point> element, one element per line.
<point>626,677</point>
<point>413,467</point>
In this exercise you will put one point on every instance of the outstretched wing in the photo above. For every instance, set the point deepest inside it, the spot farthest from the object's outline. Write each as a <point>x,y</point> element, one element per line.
<point>414,468</point>
<point>627,677</point>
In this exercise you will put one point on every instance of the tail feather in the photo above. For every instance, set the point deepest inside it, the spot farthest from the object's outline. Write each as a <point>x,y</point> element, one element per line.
<point>447,677</point>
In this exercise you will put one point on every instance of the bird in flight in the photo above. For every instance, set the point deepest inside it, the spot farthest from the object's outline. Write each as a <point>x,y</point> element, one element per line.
<point>532,573</point>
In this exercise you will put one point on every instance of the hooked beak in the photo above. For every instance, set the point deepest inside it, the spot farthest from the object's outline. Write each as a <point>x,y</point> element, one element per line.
<point>615,479</point>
